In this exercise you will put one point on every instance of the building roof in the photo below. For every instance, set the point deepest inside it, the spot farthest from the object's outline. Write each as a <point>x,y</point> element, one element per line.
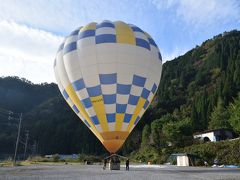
<point>214,130</point>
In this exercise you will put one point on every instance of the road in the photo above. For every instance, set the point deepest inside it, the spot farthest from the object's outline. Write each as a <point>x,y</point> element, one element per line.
<point>95,172</point>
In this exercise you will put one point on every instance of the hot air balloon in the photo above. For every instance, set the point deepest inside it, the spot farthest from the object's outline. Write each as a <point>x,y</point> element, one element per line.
<point>108,73</point>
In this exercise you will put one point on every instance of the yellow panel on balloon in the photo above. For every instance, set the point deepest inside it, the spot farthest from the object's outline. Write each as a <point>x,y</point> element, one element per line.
<point>98,105</point>
<point>119,121</point>
<point>91,26</point>
<point>139,107</point>
<point>75,100</point>
<point>124,33</point>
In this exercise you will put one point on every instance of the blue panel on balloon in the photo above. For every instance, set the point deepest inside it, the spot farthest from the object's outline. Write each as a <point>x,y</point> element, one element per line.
<point>60,47</point>
<point>87,123</point>
<point>108,78</point>
<point>87,33</point>
<point>75,109</point>
<point>111,117</point>
<point>133,100</point>
<point>146,104</point>
<point>154,88</point>
<point>136,121</point>
<point>105,24</point>
<point>138,81</point>
<point>65,94</point>
<point>109,98</point>
<point>142,43</point>
<point>145,93</point>
<point>87,102</point>
<point>121,108</point>
<point>78,85</point>
<point>95,120</point>
<point>127,118</point>
<point>70,47</point>
<point>159,56</point>
<point>123,88</point>
<point>74,32</point>
<point>152,42</point>
<point>105,38</point>
<point>136,29</point>
<point>94,91</point>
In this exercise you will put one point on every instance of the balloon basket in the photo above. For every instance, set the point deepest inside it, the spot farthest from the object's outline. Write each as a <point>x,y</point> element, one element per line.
<point>113,162</point>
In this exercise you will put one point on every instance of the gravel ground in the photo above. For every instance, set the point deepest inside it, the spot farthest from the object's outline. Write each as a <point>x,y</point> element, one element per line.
<point>95,172</point>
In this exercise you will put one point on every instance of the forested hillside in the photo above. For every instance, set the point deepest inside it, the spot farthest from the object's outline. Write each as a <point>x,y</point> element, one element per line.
<point>196,93</point>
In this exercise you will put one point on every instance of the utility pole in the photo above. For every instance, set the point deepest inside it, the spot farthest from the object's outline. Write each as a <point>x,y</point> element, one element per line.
<point>26,143</point>
<point>16,147</point>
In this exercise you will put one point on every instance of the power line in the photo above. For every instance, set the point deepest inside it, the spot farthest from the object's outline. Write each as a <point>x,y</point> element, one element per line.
<point>19,131</point>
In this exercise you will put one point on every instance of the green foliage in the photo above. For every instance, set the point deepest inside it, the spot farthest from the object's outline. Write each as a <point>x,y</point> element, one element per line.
<point>185,103</point>
<point>56,158</point>
<point>234,110</point>
<point>219,117</point>
<point>227,152</point>
<point>146,135</point>
<point>179,133</point>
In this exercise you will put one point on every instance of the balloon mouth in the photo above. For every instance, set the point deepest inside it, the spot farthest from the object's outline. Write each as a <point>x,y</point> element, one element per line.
<point>113,145</point>
<point>113,140</point>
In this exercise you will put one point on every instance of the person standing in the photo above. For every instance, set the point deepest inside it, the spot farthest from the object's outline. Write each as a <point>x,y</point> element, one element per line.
<point>127,165</point>
<point>104,164</point>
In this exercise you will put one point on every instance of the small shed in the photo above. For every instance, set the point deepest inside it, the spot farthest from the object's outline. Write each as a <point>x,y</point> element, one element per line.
<point>182,159</point>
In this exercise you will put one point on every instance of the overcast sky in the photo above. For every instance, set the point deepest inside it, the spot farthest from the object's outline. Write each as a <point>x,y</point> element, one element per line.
<point>31,31</point>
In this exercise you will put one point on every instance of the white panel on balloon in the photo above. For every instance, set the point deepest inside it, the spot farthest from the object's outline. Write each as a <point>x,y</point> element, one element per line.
<point>70,39</point>
<point>105,30</point>
<point>85,42</point>
<point>124,78</point>
<point>91,112</point>
<point>130,109</point>
<point>111,126</point>
<point>109,89</point>
<point>124,126</point>
<point>136,90</point>
<point>62,72</point>
<point>125,69</point>
<point>99,128</point>
<point>122,99</point>
<point>82,94</point>
<point>86,58</point>
<point>91,81</point>
<point>140,35</point>
<point>142,57</point>
<point>72,66</point>
<point>107,68</point>
<point>106,53</point>
<point>125,54</point>
<point>110,108</point>
<point>89,70</point>
<point>141,71</point>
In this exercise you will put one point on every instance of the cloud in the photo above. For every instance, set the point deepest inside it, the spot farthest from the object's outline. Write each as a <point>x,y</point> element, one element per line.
<point>27,52</point>
<point>177,51</point>
<point>201,12</point>
<point>62,16</point>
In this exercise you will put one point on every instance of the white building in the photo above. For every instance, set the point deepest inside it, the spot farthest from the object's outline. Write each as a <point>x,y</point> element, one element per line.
<point>215,135</point>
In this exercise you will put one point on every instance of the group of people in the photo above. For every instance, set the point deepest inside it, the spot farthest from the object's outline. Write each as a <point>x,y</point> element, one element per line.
<point>115,160</point>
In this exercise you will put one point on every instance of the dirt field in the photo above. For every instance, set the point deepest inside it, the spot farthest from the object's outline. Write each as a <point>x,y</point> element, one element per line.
<point>95,172</point>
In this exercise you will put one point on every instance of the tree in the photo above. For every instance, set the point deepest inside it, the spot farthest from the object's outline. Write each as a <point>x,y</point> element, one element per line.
<point>234,112</point>
<point>178,134</point>
<point>146,135</point>
<point>157,135</point>
<point>219,117</point>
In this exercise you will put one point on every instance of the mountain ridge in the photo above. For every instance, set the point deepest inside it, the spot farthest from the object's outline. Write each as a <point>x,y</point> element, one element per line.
<point>190,87</point>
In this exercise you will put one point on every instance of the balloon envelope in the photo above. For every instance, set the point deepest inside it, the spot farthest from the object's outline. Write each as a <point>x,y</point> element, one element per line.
<point>108,73</point>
